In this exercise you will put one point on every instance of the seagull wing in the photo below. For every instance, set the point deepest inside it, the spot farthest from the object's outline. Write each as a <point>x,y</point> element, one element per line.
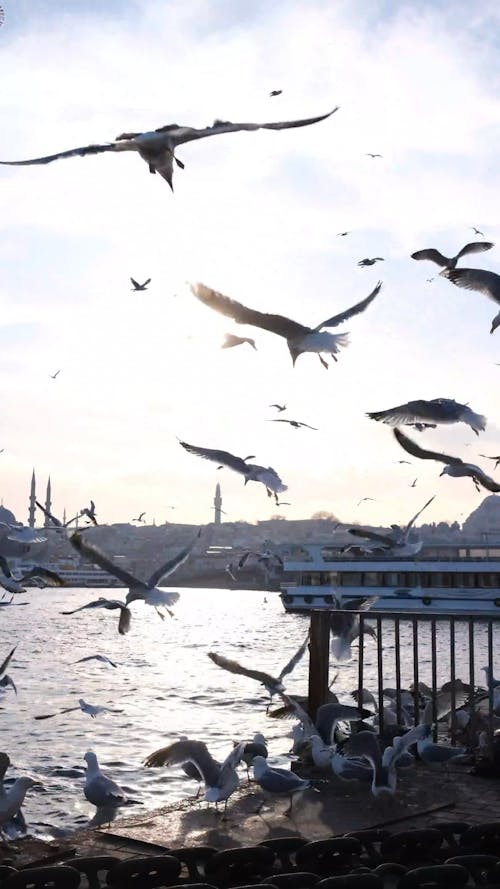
<point>59,713</point>
<point>234,667</point>
<point>73,152</point>
<point>93,554</point>
<point>360,603</point>
<point>406,414</point>
<point>415,517</point>
<point>314,428</point>
<point>49,515</point>
<point>170,566</point>
<point>365,744</point>
<point>135,283</point>
<point>354,310</point>
<point>4,566</point>
<point>370,535</point>
<point>7,661</point>
<point>190,134</point>
<point>486,481</point>
<point>292,663</point>
<point>277,324</point>
<point>475,247</point>
<point>51,577</point>
<point>475,279</point>
<point>109,604</point>
<point>187,751</point>
<point>432,255</point>
<point>146,282</point>
<point>220,457</point>
<point>416,451</point>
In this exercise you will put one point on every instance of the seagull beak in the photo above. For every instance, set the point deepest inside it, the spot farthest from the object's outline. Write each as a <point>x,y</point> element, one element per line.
<point>441,473</point>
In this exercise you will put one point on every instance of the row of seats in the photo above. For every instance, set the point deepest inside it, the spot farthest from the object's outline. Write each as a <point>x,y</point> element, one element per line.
<point>448,854</point>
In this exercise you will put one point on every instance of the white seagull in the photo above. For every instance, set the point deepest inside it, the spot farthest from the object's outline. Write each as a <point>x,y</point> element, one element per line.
<point>220,780</point>
<point>367,745</point>
<point>100,790</point>
<point>16,824</point>
<point>96,657</point>
<point>438,410</point>
<point>11,802</point>
<point>454,465</point>
<point>251,472</point>
<point>450,263</point>
<point>273,684</point>
<point>157,147</point>
<point>137,589</point>
<point>477,279</point>
<point>92,710</point>
<point>299,338</point>
<point>398,542</point>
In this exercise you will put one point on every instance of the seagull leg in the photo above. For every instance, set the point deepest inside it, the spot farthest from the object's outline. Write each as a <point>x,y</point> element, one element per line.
<point>323,362</point>
<point>288,812</point>
<point>224,812</point>
<point>179,163</point>
<point>333,356</point>
<point>159,613</point>
<point>152,169</point>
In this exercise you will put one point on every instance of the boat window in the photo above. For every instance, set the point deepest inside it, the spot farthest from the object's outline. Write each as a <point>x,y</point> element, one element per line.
<point>351,578</point>
<point>371,578</point>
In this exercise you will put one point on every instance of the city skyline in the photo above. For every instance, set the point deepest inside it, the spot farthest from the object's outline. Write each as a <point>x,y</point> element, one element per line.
<point>255,216</point>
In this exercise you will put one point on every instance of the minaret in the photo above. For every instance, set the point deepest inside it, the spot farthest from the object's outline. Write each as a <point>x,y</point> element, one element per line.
<point>217,505</point>
<point>32,509</point>
<point>64,516</point>
<point>48,505</point>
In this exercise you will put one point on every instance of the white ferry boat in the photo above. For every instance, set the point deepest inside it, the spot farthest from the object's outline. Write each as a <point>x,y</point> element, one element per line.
<point>448,578</point>
<point>75,575</point>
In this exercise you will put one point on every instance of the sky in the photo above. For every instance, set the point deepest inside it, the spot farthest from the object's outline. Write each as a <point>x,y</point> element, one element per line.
<point>255,216</point>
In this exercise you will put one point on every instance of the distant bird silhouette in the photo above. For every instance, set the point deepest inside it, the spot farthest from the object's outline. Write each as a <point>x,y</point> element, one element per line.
<point>342,234</point>
<point>403,461</point>
<point>369,154</point>
<point>53,376</point>
<point>414,482</point>
<point>282,503</point>
<point>157,147</point>
<point>275,93</point>
<point>90,512</point>
<point>232,340</point>
<point>454,465</point>
<point>295,423</point>
<point>363,263</point>
<point>139,517</point>
<point>279,407</point>
<point>450,262</point>
<point>477,279</point>
<point>136,286</point>
<point>430,280</point>
<point>299,338</point>
<point>476,231</point>
<point>363,500</point>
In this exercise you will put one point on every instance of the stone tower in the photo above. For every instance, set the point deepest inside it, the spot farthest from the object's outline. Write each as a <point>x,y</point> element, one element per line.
<point>32,509</point>
<point>217,505</point>
<point>48,505</point>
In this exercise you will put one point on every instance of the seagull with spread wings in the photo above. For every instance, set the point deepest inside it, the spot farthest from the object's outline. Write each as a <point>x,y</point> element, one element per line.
<point>136,287</point>
<point>273,684</point>
<point>454,465</point>
<point>480,280</point>
<point>345,626</point>
<point>438,410</point>
<point>296,424</point>
<point>434,255</point>
<point>251,472</point>
<point>91,709</point>
<point>160,600</point>
<point>157,147</point>
<point>399,541</point>
<point>299,338</point>
<point>279,407</point>
<point>364,263</point>
<point>41,577</point>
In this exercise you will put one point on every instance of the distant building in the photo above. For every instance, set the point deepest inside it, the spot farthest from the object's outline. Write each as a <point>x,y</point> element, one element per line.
<point>32,508</point>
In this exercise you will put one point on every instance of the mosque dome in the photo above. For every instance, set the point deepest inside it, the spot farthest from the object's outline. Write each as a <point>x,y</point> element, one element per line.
<point>485,519</point>
<point>7,516</point>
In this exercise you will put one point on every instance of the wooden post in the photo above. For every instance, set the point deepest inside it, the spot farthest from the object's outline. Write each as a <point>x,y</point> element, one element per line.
<point>319,651</point>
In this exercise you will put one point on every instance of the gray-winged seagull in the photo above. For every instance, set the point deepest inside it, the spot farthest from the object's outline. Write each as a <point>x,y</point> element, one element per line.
<point>450,262</point>
<point>438,410</point>
<point>454,465</point>
<point>251,472</point>
<point>477,279</point>
<point>299,338</point>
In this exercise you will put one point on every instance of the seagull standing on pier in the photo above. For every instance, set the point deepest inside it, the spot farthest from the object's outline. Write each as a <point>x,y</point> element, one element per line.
<point>299,338</point>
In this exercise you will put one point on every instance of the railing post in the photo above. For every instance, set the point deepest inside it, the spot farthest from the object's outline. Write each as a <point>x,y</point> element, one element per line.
<point>319,656</point>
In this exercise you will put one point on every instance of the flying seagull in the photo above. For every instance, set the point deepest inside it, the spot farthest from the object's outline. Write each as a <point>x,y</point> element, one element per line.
<point>44,576</point>
<point>53,376</point>
<point>342,234</point>
<point>157,147</point>
<point>454,465</point>
<point>96,657</point>
<point>90,512</point>
<point>363,500</point>
<point>345,627</point>
<point>85,707</point>
<point>299,338</point>
<point>439,410</point>
<point>251,472</point>
<point>137,589</point>
<point>279,407</point>
<point>450,263</point>
<point>136,286</point>
<point>295,423</point>
<point>369,154</point>
<point>414,483</point>
<point>399,541</point>
<point>275,93</point>
<point>476,231</point>
<point>221,780</point>
<point>366,262</point>
<point>232,340</point>
<point>477,279</point>
<point>140,518</point>
<point>274,685</point>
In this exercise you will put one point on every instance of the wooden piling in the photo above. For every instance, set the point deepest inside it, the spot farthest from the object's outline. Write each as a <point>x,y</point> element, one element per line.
<point>319,651</point>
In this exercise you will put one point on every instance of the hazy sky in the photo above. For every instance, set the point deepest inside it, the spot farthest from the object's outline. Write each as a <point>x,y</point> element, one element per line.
<point>255,216</point>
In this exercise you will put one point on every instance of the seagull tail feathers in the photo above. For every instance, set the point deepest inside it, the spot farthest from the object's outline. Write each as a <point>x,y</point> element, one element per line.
<point>476,421</point>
